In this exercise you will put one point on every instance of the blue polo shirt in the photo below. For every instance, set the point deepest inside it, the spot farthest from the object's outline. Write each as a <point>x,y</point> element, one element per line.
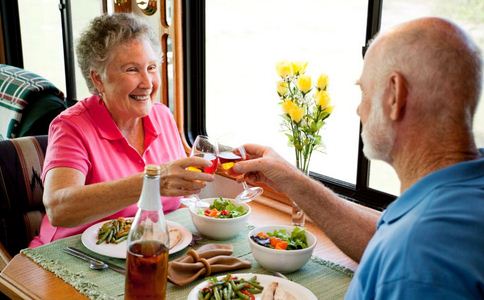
<point>429,243</point>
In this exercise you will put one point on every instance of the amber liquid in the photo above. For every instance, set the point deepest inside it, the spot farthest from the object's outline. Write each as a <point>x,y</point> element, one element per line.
<point>147,269</point>
<point>227,157</point>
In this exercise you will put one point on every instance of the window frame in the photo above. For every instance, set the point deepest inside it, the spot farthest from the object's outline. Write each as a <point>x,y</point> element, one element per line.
<point>11,41</point>
<point>195,111</point>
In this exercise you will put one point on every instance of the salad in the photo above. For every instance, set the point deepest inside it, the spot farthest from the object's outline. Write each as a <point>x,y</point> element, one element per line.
<point>282,240</point>
<point>223,209</point>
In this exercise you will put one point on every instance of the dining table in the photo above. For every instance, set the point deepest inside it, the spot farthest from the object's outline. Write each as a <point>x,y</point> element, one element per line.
<point>47,272</point>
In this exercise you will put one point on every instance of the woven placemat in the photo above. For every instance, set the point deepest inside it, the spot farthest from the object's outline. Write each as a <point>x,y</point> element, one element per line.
<point>325,279</point>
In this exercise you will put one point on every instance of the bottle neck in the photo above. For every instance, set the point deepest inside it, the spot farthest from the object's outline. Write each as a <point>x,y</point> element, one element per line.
<point>150,194</point>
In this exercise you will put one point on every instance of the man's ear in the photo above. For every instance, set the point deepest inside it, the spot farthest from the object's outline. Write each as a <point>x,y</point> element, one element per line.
<point>398,93</point>
<point>96,80</point>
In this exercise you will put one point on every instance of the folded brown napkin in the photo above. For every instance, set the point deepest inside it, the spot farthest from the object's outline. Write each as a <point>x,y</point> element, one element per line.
<point>207,260</point>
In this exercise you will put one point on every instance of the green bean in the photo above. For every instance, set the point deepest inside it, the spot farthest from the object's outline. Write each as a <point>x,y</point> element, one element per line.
<point>245,297</point>
<point>232,284</point>
<point>229,291</point>
<point>240,286</point>
<point>103,237</point>
<point>216,294</point>
<point>254,290</point>
<point>110,236</point>
<point>119,240</point>
<point>118,225</point>
<point>256,285</point>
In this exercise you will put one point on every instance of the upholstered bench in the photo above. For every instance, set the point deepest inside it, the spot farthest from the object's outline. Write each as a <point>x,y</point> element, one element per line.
<point>21,207</point>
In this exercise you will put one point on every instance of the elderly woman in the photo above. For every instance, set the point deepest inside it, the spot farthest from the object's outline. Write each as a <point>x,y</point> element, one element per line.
<point>98,148</point>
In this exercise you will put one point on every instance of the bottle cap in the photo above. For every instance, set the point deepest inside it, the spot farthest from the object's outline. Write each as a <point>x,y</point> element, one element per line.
<point>150,193</point>
<point>153,170</point>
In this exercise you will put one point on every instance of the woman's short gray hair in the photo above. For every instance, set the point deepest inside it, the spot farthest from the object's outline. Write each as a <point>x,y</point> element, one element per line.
<point>105,33</point>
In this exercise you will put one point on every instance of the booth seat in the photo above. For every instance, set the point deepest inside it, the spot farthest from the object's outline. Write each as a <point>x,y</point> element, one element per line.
<point>21,207</point>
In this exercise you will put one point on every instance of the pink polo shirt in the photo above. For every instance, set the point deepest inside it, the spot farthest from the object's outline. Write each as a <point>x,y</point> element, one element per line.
<point>85,137</point>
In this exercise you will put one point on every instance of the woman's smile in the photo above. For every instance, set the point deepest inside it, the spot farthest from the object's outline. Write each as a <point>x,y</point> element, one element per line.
<point>140,98</point>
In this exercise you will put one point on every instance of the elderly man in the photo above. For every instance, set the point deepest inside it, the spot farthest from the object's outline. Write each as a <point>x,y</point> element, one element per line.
<point>420,85</point>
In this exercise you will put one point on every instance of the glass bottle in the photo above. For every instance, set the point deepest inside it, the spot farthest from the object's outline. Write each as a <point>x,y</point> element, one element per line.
<point>148,240</point>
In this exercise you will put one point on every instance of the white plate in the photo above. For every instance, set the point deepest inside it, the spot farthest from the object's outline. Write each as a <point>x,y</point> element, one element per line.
<point>297,290</point>
<point>89,238</point>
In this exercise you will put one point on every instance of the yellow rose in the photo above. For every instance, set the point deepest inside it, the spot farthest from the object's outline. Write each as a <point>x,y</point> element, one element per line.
<point>304,83</point>
<point>322,98</point>
<point>288,106</point>
<point>282,87</point>
<point>299,67</point>
<point>329,109</point>
<point>322,82</point>
<point>284,69</point>
<point>296,114</point>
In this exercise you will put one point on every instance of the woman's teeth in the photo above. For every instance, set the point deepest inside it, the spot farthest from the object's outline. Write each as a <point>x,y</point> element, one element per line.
<point>140,98</point>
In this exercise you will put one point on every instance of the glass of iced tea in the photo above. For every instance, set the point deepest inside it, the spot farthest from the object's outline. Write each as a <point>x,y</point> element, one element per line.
<point>228,156</point>
<point>206,148</point>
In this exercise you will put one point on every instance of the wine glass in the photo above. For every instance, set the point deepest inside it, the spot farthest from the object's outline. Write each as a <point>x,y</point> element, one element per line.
<point>205,148</point>
<point>228,156</point>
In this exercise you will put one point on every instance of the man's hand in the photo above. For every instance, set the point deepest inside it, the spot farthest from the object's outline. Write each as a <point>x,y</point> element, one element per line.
<point>266,166</point>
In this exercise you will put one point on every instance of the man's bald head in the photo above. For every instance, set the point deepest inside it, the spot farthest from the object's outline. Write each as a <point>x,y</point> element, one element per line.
<point>441,64</point>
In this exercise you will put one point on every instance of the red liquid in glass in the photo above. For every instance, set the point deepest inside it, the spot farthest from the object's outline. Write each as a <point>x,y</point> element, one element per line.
<point>147,267</point>
<point>208,156</point>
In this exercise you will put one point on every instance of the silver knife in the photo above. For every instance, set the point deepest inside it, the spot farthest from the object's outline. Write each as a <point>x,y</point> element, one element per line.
<point>95,263</point>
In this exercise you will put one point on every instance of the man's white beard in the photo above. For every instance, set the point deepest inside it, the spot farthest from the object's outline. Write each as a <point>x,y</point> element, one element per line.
<point>377,134</point>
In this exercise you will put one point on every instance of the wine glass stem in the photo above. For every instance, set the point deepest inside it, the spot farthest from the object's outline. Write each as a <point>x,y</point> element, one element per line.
<point>244,184</point>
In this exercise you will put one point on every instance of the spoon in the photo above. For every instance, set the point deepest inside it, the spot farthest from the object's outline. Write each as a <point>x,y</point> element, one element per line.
<point>93,263</point>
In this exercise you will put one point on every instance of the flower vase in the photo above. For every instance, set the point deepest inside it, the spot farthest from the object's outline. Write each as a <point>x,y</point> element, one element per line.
<point>298,217</point>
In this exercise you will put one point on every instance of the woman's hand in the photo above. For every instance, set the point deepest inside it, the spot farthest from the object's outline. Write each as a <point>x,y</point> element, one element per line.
<point>176,180</point>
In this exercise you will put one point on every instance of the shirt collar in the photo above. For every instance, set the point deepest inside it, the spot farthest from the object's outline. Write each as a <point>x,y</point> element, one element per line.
<point>460,172</point>
<point>152,129</point>
<point>108,129</point>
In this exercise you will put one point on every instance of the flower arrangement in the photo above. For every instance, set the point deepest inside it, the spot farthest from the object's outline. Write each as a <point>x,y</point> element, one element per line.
<point>305,108</point>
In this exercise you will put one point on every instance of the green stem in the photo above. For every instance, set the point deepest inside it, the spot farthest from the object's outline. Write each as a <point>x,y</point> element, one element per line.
<point>295,136</point>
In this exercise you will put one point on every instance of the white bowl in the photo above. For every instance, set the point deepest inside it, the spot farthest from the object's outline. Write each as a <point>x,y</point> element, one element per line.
<point>284,261</point>
<point>220,229</point>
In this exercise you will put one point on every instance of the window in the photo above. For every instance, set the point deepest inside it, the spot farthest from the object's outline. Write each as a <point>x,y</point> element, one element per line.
<point>41,36</point>
<point>82,13</point>
<point>42,39</point>
<point>245,40</point>
<point>240,43</point>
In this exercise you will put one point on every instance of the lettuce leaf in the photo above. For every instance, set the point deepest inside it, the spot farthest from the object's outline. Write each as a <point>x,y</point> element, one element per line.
<point>297,239</point>
<point>223,204</point>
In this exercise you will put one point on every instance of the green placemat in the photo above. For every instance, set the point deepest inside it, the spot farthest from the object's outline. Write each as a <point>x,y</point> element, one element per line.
<point>325,279</point>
